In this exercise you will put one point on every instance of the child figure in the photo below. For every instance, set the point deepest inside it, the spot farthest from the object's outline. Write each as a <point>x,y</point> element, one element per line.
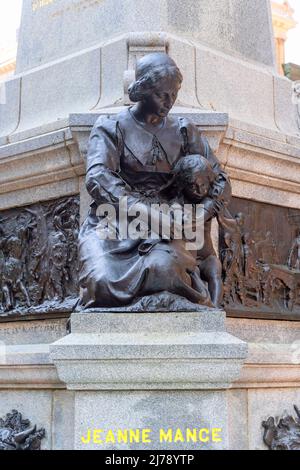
<point>12,275</point>
<point>195,182</point>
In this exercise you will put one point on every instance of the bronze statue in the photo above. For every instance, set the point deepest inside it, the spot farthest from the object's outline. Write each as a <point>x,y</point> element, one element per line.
<point>12,276</point>
<point>136,155</point>
<point>195,181</point>
<point>16,433</point>
<point>233,257</point>
<point>282,433</point>
<point>294,254</point>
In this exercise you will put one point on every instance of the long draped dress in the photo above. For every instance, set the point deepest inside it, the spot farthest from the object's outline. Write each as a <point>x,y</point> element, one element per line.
<point>128,158</point>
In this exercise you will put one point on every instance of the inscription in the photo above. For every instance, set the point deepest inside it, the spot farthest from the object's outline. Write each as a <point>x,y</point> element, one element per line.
<point>32,329</point>
<point>77,6</point>
<point>38,4</point>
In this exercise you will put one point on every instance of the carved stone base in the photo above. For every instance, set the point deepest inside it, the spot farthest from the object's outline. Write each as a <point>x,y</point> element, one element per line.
<point>149,370</point>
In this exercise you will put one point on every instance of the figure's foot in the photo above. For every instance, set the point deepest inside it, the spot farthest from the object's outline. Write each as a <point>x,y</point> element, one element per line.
<point>199,286</point>
<point>207,303</point>
<point>8,307</point>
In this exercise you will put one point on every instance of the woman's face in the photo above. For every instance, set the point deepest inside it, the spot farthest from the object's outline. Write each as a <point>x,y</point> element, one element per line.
<point>163,97</point>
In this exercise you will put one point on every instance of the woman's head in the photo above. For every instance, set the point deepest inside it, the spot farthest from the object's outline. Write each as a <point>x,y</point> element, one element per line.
<point>158,80</point>
<point>194,176</point>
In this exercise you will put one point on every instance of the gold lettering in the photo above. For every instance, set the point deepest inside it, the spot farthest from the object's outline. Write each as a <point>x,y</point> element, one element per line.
<point>145,436</point>
<point>134,435</point>
<point>96,436</point>
<point>215,435</point>
<point>201,432</point>
<point>178,436</point>
<point>79,5</point>
<point>110,437</point>
<point>87,439</point>
<point>191,435</point>
<point>122,435</point>
<point>165,436</point>
<point>38,4</point>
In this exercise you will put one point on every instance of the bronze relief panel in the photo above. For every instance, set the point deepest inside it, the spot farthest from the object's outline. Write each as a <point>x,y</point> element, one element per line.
<point>260,256</point>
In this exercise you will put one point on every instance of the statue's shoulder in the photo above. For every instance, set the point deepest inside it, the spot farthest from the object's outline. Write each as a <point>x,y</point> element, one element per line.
<point>106,122</point>
<point>184,125</point>
<point>111,122</point>
<point>193,140</point>
<point>181,123</point>
<point>105,125</point>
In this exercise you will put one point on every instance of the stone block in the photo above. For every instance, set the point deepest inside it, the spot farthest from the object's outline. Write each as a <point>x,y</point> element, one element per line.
<point>285,107</point>
<point>148,351</point>
<point>158,323</point>
<point>237,419</point>
<point>10,92</point>
<point>63,420</point>
<point>43,192</point>
<point>53,92</point>
<point>264,331</point>
<point>27,367</point>
<point>250,103</point>
<point>114,62</point>
<point>157,410</point>
<point>33,332</point>
<point>156,371</point>
<point>227,25</point>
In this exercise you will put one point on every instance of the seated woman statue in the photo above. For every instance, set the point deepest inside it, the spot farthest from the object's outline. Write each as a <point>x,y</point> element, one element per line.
<point>135,154</point>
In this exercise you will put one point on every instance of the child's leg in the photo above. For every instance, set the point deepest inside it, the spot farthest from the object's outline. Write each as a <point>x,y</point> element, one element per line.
<point>211,272</point>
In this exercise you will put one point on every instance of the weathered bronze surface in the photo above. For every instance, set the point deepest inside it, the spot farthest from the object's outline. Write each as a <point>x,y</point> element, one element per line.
<point>260,253</point>
<point>141,154</point>
<point>38,258</point>
<point>283,433</point>
<point>17,433</point>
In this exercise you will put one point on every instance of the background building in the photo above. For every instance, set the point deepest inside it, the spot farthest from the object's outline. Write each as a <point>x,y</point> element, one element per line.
<point>8,55</point>
<point>283,21</point>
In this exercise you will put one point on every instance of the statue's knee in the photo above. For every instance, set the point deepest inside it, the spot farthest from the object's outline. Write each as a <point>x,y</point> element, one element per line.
<point>214,266</point>
<point>160,262</point>
<point>218,268</point>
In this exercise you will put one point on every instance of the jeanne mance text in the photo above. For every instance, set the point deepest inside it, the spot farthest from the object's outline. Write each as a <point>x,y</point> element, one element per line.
<point>147,435</point>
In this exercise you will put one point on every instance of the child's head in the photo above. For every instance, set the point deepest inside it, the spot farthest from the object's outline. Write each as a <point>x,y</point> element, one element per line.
<point>194,177</point>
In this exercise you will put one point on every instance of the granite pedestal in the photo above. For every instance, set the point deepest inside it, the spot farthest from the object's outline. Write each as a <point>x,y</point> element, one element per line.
<point>149,371</point>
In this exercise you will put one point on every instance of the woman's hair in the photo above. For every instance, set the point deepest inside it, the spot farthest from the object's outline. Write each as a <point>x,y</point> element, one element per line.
<point>148,82</point>
<point>187,167</point>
